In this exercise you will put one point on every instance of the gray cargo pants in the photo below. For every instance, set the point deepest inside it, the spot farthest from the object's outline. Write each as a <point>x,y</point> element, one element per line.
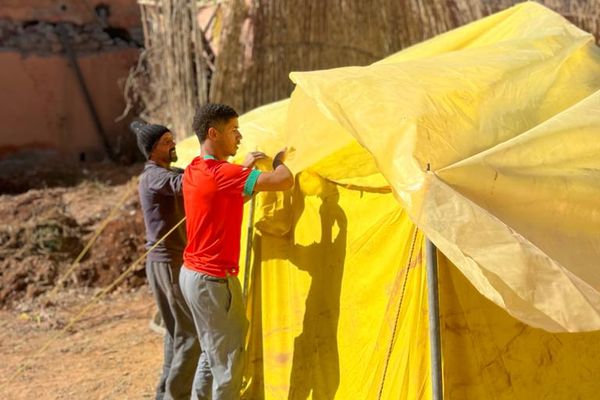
<point>219,316</point>
<point>182,355</point>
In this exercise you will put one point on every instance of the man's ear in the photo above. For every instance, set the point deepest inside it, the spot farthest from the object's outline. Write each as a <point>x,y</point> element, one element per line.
<point>212,133</point>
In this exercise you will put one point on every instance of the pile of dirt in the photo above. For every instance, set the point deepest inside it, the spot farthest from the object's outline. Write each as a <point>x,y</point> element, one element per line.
<point>44,168</point>
<point>44,230</point>
<point>45,37</point>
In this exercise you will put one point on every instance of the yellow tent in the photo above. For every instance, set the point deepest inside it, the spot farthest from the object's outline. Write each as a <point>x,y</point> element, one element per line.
<point>482,139</point>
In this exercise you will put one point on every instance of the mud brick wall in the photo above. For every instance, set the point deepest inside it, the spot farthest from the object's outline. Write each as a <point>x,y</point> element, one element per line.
<point>43,105</point>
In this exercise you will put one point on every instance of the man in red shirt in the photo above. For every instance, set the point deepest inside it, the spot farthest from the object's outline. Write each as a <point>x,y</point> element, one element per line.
<point>213,192</point>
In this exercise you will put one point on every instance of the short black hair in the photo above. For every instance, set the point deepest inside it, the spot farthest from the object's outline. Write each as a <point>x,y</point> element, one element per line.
<point>210,115</point>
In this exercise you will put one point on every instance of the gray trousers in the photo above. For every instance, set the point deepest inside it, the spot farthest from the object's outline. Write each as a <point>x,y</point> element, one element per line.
<point>183,359</point>
<point>220,320</point>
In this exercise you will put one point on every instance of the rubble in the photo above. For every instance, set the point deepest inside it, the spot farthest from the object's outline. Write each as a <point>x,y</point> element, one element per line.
<point>44,37</point>
<point>44,230</point>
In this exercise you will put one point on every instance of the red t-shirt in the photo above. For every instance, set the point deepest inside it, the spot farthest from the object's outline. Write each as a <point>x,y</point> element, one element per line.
<point>213,198</point>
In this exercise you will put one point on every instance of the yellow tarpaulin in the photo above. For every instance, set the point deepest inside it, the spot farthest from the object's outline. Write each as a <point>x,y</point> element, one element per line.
<point>508,123</point>
<point>505,114</point>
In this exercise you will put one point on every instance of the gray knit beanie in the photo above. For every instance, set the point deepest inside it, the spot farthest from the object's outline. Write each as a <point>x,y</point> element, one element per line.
<point>147,135</point>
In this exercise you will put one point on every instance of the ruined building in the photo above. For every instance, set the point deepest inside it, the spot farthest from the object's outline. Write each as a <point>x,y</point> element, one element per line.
<point>62,69</point>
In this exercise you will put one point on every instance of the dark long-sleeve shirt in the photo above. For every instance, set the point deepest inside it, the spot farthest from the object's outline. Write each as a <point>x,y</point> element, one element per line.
<point>161,198</point>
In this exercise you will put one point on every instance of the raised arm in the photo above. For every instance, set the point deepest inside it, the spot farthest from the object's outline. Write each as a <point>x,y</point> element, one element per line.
<point>280,178</point>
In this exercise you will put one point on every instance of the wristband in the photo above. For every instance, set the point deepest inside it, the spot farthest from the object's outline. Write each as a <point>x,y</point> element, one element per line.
<point>277,162</point>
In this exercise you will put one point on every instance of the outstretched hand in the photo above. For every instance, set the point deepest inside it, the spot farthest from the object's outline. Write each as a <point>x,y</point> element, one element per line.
<point>252,158</point>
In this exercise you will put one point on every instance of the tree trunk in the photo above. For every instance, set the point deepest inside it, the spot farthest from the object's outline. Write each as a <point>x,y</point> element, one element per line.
<point>263,40</point>
<point>171,79</point>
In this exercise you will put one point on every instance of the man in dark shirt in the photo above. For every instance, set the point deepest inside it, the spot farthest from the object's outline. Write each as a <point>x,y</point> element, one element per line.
<point>160,190</point>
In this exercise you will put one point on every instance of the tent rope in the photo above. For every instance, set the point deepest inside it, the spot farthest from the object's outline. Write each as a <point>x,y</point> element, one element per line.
<point>393,338</point>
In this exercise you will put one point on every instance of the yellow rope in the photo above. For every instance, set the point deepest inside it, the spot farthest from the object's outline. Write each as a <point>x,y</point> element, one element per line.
<point>86,308</point>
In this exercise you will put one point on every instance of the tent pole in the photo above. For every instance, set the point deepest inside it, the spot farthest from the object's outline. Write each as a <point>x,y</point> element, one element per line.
<point>248,248</point>
<point>434,320</point>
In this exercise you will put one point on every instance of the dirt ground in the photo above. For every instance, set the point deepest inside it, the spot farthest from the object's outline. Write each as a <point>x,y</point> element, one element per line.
<point>110,354</point>
<point>47,215</point>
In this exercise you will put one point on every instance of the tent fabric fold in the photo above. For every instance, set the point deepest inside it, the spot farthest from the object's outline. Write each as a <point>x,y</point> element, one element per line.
<point>449,110</point>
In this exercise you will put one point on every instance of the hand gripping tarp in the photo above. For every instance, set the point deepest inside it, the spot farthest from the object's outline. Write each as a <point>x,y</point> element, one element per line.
<point>505,113</point>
